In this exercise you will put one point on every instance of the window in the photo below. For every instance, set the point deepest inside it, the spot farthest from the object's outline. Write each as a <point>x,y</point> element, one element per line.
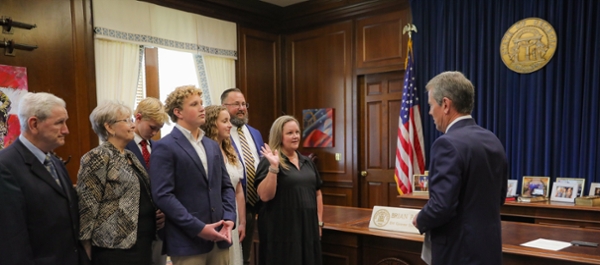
<point>175,69</point>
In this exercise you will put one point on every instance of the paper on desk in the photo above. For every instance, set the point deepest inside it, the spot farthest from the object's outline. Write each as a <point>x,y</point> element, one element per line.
<point>547,244</point>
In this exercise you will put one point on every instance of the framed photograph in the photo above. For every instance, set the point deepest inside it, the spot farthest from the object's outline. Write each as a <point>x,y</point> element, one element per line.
<point>511,188</point>
<point>420,184</point>
<point>594,189</point>
<point>564,192</point>
<point>580,184</point>
<point>535,186</point>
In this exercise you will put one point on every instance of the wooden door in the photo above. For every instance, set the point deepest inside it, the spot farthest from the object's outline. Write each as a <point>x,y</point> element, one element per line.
<point>380,100</point>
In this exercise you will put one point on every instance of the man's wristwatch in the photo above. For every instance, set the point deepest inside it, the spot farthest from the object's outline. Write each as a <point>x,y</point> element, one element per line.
<point>321,224</point>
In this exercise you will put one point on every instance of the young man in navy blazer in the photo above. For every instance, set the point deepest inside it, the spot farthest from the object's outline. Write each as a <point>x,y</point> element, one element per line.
<point>191,186</point>
<point>150,116</point>
<point>468,177</point>
<point>236,104</point>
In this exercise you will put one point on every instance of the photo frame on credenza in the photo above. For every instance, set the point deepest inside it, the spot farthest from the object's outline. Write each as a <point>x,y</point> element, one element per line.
<point>420,184</point>
<point>594,189</point>
<point>535,186</point>
<point>580,184</point>
<point>564,191</point>
<point>511,188</point>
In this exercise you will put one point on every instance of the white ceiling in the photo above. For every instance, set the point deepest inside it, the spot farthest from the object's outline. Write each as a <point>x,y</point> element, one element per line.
<point>283,2</point>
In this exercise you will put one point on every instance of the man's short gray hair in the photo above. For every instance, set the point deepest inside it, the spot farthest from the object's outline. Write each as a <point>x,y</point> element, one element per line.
<point>456,87</point>
<point>38,105</point>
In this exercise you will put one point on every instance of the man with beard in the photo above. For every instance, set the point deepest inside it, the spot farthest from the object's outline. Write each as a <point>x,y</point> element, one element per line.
<point>246,141</point>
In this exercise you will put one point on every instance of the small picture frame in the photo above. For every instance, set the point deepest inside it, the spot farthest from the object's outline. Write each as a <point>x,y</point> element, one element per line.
<point>535,186</point>
<point>511,188</point>
<point>420,184</point>
<point>580,184</point>
<point>564,191</point>
<point>594,189</point>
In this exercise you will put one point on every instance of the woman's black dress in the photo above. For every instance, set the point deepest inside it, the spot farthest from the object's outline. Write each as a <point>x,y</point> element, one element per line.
<point>288,224</point>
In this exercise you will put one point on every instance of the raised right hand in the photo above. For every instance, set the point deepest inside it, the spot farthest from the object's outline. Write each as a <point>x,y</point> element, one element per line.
<point>272,156</point>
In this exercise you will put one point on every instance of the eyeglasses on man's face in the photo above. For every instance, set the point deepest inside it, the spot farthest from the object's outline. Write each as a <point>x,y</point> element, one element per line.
<point>239,105</point>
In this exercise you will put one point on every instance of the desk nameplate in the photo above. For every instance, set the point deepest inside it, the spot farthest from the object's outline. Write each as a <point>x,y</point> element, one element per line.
<point>393,219</point>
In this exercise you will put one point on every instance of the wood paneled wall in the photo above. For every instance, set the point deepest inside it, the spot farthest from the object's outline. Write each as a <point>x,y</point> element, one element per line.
<point>258,76</point>
<point>380,46</point>
<point>319,75</point>
<point>320,69</point>
<point>62,65</point>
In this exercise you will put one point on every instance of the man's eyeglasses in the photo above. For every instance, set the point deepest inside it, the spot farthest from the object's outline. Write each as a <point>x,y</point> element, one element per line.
<point>128,120</point>
<point>239,105</point>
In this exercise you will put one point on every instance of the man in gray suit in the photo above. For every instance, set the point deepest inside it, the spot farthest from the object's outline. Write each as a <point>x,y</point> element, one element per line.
<point>39,223</point>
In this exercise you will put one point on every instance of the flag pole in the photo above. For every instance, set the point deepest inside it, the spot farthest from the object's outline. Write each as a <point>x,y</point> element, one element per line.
<point>410,152</point>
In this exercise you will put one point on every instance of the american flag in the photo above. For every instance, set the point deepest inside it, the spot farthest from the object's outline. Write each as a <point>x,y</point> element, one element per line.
<point>410,152</point>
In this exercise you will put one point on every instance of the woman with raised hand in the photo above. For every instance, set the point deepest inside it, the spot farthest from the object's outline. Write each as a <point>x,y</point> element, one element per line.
<point>288,183</point>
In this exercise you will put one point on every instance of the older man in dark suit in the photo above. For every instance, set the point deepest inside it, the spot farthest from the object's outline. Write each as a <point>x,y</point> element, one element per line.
<point>468,178</point>
<point>39,223</point>
<point>191,186</point>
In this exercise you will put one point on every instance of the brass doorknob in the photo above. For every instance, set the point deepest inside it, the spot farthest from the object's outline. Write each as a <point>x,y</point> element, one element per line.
<point>363,173</point>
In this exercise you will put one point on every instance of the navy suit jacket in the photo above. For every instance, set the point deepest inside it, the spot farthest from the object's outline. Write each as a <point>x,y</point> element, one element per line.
<point>258,142</point>
<point>188,196</point>
<point>39,220</point>
<point>133,147</point>
<point>468,177</point>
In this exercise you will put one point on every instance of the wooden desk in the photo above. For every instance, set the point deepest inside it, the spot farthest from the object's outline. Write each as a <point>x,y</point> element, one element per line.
<point>548,213</point>
<point>348,240</point>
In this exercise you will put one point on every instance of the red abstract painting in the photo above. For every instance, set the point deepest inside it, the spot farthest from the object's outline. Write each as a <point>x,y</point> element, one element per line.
<point>13,84</point>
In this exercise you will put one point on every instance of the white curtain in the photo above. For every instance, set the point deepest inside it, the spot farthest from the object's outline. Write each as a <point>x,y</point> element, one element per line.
<point>117,70</point>
<point>220,72</point>
<point>148,24</point>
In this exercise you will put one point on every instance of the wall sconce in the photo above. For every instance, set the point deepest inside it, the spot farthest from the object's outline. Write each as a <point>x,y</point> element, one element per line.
<point>8,24</point>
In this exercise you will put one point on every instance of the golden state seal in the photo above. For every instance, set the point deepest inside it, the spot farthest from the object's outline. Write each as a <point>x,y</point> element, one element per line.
<point>381,218</point>
<point>528,45</point>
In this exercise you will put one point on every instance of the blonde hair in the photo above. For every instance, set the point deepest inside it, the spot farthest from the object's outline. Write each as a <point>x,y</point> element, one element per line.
<point>175,99</point>
<point>276,136</point>
<point>211,131</point>
<point>152,109</point>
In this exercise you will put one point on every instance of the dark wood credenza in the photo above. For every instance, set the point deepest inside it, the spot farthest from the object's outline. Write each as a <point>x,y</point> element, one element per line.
<point>347,240</point>
<point>546,213</point>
